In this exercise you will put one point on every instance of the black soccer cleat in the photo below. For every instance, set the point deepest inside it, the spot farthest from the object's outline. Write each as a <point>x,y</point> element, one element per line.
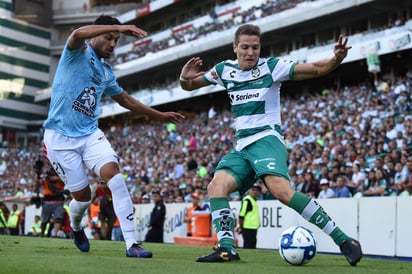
<point>352,250</point>
<point>221,255</point>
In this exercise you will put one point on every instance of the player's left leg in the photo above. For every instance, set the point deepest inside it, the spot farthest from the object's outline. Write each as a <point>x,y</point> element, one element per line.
<point>310,210</point>
<point>223,218</point>
<point>100,156</point>
<point>269,157</point>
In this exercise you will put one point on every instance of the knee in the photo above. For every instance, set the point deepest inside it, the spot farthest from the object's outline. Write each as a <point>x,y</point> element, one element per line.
<point>280,188</point>
<point>83,195</point>
<point>221,187</point>
<point>108,171</point>
<point>285,197</point>
<point>214,189</point>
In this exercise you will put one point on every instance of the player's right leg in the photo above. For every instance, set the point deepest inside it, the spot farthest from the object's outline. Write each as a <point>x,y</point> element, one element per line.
<point>223,218</point>
<point>64,156</point>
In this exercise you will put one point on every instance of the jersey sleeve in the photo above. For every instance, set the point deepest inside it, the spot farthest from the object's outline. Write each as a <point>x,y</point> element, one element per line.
<point>282,69</point>
<point>213,76</point>
<point>70,54</point>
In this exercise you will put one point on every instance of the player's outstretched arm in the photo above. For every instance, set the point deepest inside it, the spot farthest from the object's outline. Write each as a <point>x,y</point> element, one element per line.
<point>322,67</point>
<point>79,35</point>
<point>129,102</point>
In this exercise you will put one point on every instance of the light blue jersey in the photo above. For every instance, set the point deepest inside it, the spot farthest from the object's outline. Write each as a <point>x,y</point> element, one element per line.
<point>80,81</point>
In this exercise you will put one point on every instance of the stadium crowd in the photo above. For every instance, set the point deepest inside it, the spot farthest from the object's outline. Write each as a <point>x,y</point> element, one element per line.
<point>220,21</point>
<point>361,135</point>
<point>216,23</point>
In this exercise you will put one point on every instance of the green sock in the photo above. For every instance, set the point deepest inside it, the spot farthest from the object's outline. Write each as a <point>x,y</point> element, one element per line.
<point>223,222</point>
<point>309,209</point>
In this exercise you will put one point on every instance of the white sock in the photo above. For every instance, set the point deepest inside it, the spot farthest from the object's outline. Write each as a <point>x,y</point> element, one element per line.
<point>123,207</point>
<point>77,210</point>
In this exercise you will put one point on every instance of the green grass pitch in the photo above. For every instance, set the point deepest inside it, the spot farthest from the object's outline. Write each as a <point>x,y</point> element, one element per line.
<point>29,255</point>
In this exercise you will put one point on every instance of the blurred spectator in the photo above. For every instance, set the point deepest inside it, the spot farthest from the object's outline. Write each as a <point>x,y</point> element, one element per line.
<point>157,219</point>
<point>107,217</point>
<point>117,234</point>
<point>93,219</point>
<point>145,199</point>
<point>192,142</point>
<point>400,179</point>
<point>52,212</point>
<point>341,190</point>
<point>311,185</point>
<point>191,163</point>
<point>188,219</point>
<point>4,213</point>
<point>35,230</point>
<point>178,168</point>
<point>249,217</point>
<point>13,220</point>
<point>357,180</point>
<point>380,186</point>
<point>326,191</point>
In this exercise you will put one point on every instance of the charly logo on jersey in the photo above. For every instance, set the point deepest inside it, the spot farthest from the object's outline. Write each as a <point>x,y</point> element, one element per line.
<point>86,102</point>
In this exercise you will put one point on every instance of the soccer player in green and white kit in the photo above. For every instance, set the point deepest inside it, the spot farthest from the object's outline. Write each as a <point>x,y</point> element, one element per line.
<point>253,85</point>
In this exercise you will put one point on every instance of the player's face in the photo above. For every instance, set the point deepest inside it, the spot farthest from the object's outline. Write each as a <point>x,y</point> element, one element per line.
<point>247,51</point>
<point>104,44</point>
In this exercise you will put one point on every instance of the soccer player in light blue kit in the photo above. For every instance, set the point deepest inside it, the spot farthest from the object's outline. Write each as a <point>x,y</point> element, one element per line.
<point>72,138</point>
<point>253,86</point>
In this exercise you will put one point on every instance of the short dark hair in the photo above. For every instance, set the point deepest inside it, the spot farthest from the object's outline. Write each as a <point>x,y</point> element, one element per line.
<point>106,20</point>
<point>246,29</point>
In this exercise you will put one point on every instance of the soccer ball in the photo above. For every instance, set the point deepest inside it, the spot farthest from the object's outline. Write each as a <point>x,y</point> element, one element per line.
<point>297,245</point>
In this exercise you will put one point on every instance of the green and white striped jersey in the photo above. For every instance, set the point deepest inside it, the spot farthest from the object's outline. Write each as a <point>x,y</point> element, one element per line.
<point>254,95</point>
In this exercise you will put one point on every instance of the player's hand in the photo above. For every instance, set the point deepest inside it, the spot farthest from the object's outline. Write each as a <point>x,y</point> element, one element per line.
<point>172,117</point>
<point>191,69</point>
<point>341,48</point>
<point>132,30</point>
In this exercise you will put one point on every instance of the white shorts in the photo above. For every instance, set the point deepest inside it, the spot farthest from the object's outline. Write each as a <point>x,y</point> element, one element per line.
<point>69,155</point>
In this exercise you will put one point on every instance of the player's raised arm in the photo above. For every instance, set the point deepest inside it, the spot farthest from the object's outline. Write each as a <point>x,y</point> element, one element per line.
<point>79,35</point>
<point>190,76</point>
<point>322,67</point>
